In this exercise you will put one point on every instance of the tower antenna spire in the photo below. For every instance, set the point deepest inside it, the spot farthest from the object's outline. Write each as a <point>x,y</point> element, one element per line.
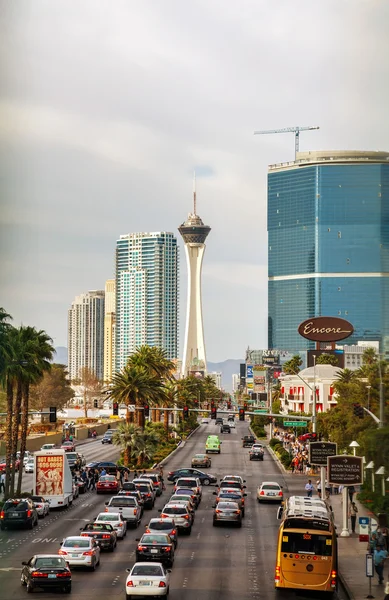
<point>194,193</point>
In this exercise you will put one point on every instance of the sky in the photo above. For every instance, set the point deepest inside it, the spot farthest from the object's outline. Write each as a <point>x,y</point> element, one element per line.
<point>107,107</point>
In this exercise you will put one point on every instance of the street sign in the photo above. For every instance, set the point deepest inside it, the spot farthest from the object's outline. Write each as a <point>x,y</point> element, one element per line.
<point>295,423</point>
<point>320,451</point>
<point>260,410</point>
<point>345,470</point>
<point>369,565</point>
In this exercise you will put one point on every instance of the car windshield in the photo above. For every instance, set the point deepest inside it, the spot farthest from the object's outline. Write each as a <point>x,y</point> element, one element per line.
<point>175,510</point>
<point>148,570</point>
<point>181,498</point>
<point>230,484</point>
<point>186,483</point>
<point>124,501</point>
<point>154,539</point>
<point>37,499</point>
<point>72,455</point>
<point>183,492</point>
<point>143,487</point>
<point>228,505</point>
<point>49,563</point>
<point>109,517</point>
<point>107,478</point>
<point>200,456</point>
<point>81,543</point>
<point>270,486</point>
<point>229,495</point>
<point>128,485</point>
<point>99,527</point>
<point>161,525</point>
<point>15,505</point>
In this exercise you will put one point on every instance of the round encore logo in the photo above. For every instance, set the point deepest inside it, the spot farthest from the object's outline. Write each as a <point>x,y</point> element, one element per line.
<point>325,329</point>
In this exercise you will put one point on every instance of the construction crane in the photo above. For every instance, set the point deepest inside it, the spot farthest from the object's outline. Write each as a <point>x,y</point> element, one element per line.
<point>295,130</point>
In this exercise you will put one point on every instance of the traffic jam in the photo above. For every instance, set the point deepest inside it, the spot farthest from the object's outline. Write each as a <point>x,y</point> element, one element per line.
<point>128,505</point>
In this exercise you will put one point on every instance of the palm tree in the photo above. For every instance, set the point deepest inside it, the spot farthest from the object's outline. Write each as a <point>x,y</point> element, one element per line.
<point>125,437</point>
<point>144,446</point>
<point>345,376</point>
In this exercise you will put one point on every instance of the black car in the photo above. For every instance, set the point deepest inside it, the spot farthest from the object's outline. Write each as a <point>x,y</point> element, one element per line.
<point>248,441</point>
<point>110,467</point>
<point>18,511</point>
<point>225,428</point>
<point>146,493</point>
<point>218,421</point>
<point>163,526</point>
<point>103,533</point>
<point>107,437</point>
<point>46,571</point>
<point>205,478</point>
<point>158,547</point>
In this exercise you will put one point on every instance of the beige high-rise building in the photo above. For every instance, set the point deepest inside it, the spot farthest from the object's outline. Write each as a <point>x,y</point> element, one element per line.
<point>109,329</point>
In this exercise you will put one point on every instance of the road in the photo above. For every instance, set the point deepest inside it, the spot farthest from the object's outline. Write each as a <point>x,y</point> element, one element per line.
<point>220,563</point>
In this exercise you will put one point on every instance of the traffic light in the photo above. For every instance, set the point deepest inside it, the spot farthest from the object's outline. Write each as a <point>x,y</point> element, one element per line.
<point>95,404</point>
<point>213,412</point>
<point>245,405</point>
<point>146,408</point>
<point>241,414</point>
<point>53,414</point>
<point>229,405</point>
<point>358,411</point>
<point>115,408</point>
<point>185,412</point>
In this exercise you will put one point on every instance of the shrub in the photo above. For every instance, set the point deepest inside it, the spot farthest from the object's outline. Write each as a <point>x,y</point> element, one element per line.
<point>274,442</point>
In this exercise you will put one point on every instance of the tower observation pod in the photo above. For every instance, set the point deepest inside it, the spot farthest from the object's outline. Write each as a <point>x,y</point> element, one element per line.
<point>194,233</point>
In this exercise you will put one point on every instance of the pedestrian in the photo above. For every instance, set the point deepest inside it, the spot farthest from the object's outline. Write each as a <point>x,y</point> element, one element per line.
<point>125,476</point>
<point>309,489</point>
<point>135,475</point>
<point>103,472</point>
<point>2,482</point>
<point>380,555</point>
<point>351,492</point>
<point>352,513</point>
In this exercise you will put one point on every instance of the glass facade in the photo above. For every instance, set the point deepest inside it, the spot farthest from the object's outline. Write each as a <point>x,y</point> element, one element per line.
<point>328,227</point>
<point>146,294</point>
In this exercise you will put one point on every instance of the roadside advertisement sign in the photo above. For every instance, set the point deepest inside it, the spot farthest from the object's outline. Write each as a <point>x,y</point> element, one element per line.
<point>345,470</point>
<point>325,329</point>
<point>49,475</point>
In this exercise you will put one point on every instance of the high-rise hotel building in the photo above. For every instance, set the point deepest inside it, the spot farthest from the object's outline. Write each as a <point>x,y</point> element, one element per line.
<point>86,334</point>
<point>146,294</point>
<point>328,226</point>
<point>109,330</point>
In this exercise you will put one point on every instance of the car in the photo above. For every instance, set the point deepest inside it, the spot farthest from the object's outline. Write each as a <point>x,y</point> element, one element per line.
<point>231,418</point>
<point>234,478</point>
<point>127,507</point>
<point>68,446</point>
<point>75,459</point>
<point>42,505</point>
<point>103,533</point>
<point>248,441</point>
<point>307,437</point>
<point>256,452</point>
<point>185,494</point>
<point>46,571</point>
<point>270,491</point>
<point>187,500</point>
<point>27,455</point>
<point>81,484</point>
<point>127,486</point>
<point>231,484</point>
<point>205,478</point>
<point>156,480</point>
<point>205,421</point>
<point>48,446</point>
<point>225,428</point>
<point>231,495</point>
<point>146,489</point>
<point>146,479</point>
<point>133,494</point>
<point>109,467</point>
<point>163,526</point>
<point>114,519</point>
<point>218,421</point>
<point>107,484</point>
<point>29,466</point>
<point>18,511</point>
<point>155,547</point>
<point>201,460</point>
<point>181,515</point>
<point>212,444</point>
<point>147,579</point>
<point>227,512</point>
<point>3,464</point>
<point>80,551</point>
<point>192,483</point>
<point>107,437</point>
<point>231,423</point>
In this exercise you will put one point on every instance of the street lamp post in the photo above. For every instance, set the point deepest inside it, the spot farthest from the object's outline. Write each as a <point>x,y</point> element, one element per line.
<point>381,471</point>
<point>354,445</point>
<point>370,466</point>
<point>368,396</point>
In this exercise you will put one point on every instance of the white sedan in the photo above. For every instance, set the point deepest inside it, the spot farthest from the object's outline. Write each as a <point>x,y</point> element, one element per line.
<point>114,519</point>
<point>42,505</point>
<point>80,552</point>
<point>205,421</point>
<point>29,466</point>
<point>270,491</point>
<point>231,424</point>
<point>147,579</point>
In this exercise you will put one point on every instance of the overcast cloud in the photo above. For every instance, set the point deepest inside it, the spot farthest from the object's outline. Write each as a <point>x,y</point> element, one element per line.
<point>107,107</point>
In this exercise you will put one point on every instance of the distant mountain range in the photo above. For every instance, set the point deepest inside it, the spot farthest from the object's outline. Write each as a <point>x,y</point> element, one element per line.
<point>227,368</point>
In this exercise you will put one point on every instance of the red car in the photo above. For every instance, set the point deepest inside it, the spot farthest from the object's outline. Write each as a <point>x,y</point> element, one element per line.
<point>107,483</point>
<point>2,465</point>
<point>68,446</point>
<point>305,437</point>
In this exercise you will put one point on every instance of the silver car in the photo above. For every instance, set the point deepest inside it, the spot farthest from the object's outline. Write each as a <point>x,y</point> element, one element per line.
<point>127,507</point>
<point>227,512</point>
<point>42,505</point>
<point>181,515</point>
<point>80,552</point>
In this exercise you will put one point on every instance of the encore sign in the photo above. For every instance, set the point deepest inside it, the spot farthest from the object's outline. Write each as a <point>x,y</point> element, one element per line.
<point>325,329</point>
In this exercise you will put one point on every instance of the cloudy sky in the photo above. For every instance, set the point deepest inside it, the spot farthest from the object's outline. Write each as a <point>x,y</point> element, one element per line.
<point>107,107</point>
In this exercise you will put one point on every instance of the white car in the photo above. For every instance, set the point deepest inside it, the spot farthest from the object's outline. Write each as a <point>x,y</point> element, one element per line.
<point>205,421</point>
<point>270,491</point>
<point>114,519</point>
<point>147,579</point>
<point>29,466</point>
<point>42,505</point>
<point>26,457</point>
<point>231,424</point>
<point>237,478</point>
<point>80,552</point>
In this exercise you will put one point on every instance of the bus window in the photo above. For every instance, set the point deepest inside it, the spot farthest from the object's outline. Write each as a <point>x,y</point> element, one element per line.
<point>306,543</point>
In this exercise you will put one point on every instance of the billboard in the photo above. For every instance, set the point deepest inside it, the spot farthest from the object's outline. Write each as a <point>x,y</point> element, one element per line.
<point>49,475</point>
<point>325,329</point>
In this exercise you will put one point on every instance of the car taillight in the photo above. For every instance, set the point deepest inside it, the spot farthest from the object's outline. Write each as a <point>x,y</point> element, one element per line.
<point>64,574</point>
<point>164,516</point>
<point>261,493</point>
<point>218,511</point>
<point>147,531</point>
<point>173,531</point>
<point>88,553</point>
<point>162,584</point>
<point>130,583</point>
<point>186,517</point>
<point>62,552</point>
<point>29,513</point>
<point>106,536</point>
<point>135,511</point>
<point>166,548</point>
<point>140,548</point>
<point>85,535</point>
<point>2,515</point>
<point>237,512</point>
<point>120,524</point>
<point>242,501</point>
<point>106,509</point>
<point>38,574</point>
<point>277,576</point>
<point>148,495</point>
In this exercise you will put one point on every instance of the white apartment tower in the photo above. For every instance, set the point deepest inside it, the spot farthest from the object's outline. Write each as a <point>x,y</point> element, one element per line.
<point>86,334</point>
<point>146,294</point>
<point>109,330</point>
<point>194,233</point>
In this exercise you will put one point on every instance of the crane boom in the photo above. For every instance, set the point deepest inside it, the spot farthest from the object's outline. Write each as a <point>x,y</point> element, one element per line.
<point>296,130</point>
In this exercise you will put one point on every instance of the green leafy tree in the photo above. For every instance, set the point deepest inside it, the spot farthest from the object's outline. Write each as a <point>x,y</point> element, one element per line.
<point>125,437</point>
<point>293,365</point>
<point>327,359</point>
<point>345,376</point>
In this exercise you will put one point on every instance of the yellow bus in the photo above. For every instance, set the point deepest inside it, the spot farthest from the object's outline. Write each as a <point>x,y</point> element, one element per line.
<point>307,557</point>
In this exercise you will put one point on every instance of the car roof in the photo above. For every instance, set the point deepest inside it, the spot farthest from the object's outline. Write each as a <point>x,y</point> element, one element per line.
<point>46,555</point>
<point>270,482</point>
<point>172,505</point>
<point>146,564</point>
<point>76,537</point>
<point>159,520</point>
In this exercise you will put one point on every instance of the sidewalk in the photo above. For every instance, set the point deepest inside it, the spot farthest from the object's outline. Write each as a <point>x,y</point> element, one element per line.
<point>351,552</point>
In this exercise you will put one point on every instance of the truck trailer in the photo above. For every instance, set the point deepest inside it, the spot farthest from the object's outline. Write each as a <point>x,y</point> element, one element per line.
<point>53,478</point>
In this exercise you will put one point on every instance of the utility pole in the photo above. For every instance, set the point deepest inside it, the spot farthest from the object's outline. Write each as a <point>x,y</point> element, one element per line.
<point>382,396</point>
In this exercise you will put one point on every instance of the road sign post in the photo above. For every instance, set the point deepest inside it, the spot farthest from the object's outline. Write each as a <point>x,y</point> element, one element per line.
<point>369,572</point>
<point>345,470</point>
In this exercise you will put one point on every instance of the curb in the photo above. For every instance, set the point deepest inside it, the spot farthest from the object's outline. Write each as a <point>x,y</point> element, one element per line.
<point>180,445</point>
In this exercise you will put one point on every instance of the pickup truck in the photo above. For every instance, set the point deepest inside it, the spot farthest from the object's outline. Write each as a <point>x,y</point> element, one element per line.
<point>127,507</point>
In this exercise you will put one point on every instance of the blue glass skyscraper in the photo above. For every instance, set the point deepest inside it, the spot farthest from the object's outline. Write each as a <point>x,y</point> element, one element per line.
<point>328,235</point>
<point>146,294</point>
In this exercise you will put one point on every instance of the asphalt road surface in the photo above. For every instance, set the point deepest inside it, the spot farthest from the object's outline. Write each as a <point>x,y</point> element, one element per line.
<point>213,563</point>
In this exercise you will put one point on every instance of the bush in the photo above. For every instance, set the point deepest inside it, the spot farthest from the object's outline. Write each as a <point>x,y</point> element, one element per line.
<point>273,442</point>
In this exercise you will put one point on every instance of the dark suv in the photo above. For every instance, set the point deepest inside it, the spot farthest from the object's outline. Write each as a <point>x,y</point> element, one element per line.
<point>18,511</point>
<point>248,441</point>
<point>225,428</point>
